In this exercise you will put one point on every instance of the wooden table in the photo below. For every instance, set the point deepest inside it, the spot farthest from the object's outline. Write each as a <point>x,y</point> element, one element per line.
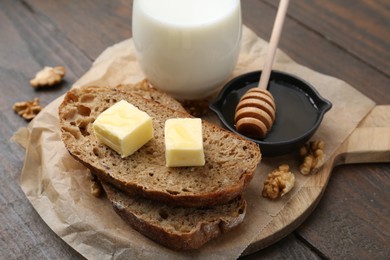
<point>349,40</point>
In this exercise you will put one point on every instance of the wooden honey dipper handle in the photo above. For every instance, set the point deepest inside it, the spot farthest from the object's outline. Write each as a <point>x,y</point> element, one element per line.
<point>273,44</point>
<point>255,113</point>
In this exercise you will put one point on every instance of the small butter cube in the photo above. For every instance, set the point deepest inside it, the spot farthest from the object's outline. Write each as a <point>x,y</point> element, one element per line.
<point>124,128</point>
<point>184,142</point>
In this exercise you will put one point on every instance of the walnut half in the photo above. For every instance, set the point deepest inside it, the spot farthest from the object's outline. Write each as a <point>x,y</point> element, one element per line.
<point>279,182</point>
<point>96,186</point>
<point>27,109</point>
<point>48,76</point>
<point>313,157</point>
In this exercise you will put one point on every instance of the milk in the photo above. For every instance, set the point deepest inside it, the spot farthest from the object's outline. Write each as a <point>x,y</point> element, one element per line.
<point>187,48</point>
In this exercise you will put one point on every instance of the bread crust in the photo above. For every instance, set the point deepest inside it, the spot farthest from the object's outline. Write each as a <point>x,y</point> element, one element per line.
<point>169,185</point>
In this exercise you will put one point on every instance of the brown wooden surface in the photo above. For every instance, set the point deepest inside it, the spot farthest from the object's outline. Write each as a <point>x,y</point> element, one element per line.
<point>349,40</point>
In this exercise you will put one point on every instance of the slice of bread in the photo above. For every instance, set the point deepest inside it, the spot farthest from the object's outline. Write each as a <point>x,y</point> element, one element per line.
<point>230,159</point>
<point>179,228</point>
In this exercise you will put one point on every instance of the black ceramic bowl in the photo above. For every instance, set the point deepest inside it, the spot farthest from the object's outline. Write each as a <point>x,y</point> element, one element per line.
<point>299,110</point>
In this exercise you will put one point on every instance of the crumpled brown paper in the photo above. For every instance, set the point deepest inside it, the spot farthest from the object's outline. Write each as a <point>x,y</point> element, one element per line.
<point>58,186</point>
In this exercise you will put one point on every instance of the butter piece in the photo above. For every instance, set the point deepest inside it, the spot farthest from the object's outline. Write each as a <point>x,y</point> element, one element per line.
<point>124,128</point>
<point>184,142</point>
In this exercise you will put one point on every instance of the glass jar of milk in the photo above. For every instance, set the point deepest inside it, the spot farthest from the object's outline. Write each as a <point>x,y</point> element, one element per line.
<point>187,48</point>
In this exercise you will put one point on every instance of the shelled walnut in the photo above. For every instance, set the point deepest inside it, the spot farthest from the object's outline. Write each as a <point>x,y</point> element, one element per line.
<point>96,186</point>
<point>313,157</point>
<point>48,76</point>
<point>27,109</point>
<point>279,182</point>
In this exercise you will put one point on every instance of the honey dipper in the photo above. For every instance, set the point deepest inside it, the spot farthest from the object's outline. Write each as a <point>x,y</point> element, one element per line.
<point>255,113</point>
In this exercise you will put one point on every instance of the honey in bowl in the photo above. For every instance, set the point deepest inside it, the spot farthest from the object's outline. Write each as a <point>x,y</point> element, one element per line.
<point>299,110</point>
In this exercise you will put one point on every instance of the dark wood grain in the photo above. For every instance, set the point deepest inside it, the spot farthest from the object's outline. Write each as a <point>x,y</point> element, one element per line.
<point>28,42</point>
<point>305,41</point>
<point>89,25</point>
<point>360,28</point>
<point>289,247</point>
<point>352,218</point>
<point>345,39</point>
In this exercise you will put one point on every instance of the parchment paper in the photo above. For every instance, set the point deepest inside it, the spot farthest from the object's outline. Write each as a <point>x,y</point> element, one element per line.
<point>58,186</point>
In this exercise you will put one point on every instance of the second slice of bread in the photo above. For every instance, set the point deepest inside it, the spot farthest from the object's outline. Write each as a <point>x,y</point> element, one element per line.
<point>230,159</point>
<point>179,228</point>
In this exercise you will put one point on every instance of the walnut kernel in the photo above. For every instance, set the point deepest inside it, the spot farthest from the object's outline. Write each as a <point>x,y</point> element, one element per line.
<point>96,187</point>
<point>48,76</point>
<point>313,157</point>
<point>27,109</point>
<point>279,182</point>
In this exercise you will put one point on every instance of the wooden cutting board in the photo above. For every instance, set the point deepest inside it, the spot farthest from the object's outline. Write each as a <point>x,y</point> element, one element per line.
<point>369,142</point>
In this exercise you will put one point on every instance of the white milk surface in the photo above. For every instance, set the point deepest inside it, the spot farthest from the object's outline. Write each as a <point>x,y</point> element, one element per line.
<point>187,47</point>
